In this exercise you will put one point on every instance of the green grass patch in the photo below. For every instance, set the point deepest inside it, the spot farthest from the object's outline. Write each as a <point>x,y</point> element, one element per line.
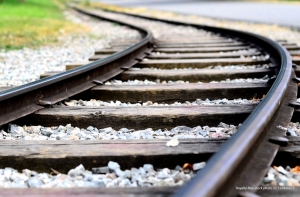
<point>33,23</point>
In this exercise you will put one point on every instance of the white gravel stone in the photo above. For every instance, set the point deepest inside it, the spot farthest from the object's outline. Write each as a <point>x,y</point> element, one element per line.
<point>77,171</point>
<point>173,142</point>
<point>198,166</point>
<point>148,167</point>
<point>113,165</point>
<point>35,182</point>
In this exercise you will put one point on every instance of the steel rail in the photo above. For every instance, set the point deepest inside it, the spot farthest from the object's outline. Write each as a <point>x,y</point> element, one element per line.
<point>26,99</point>
<point>244,143</point>
<point>227,163</point>
<point>224,171</point>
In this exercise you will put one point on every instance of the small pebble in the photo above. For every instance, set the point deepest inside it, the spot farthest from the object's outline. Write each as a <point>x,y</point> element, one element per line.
<point>173,142</point>
<point>113,165</point>
<point>198,166</point>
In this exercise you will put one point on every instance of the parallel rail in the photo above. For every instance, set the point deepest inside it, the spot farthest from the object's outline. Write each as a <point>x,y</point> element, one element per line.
<point>235,165</point>
<point>239,161</point>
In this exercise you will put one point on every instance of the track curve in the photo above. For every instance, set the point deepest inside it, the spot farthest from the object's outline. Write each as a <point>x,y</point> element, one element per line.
<point>240,152</point>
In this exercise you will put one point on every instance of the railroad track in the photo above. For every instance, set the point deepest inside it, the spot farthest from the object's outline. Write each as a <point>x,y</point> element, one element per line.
<point>237,161</point>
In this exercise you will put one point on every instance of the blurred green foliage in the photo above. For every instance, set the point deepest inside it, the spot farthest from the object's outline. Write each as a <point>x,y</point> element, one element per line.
<point>32,23</point>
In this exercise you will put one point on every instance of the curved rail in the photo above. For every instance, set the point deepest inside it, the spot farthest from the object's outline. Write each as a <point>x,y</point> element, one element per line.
<point>26,99</point>
<point>237,151</point>
<point>226,161</point>
<point>224,170</point>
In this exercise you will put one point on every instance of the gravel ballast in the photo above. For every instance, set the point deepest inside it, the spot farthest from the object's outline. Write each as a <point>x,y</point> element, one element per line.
<point>100,177</point>
<point>293,129</point>
<point>284,177</point>
<point>160,29</point>
<point>68,132</point>
<point>218,67</point>
<point>158,81</point>
<point>224,101</point>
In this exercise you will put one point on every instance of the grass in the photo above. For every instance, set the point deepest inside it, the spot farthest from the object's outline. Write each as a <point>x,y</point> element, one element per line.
<point>33,23</point>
